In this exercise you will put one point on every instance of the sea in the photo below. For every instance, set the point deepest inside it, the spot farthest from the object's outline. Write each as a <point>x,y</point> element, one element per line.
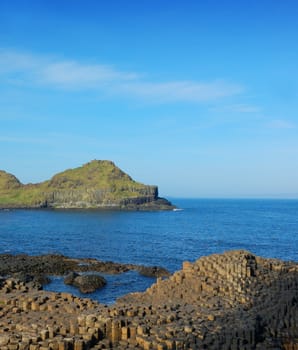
<point>199,227</point>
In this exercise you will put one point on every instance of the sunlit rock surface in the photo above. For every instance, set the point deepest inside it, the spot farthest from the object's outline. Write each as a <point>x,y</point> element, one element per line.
<point>227,301</point>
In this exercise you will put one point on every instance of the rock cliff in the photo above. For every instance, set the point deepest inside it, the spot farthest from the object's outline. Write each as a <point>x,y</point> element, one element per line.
<point>97,184</point>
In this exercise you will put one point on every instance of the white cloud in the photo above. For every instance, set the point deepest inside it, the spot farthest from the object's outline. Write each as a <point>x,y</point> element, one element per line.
<point>20,68</point>
<point>281,124</point>
<point>187,91</point>
<point>71,74</point>
<point>58,73</point>
<point>237,108</point>
<point>14,62</point>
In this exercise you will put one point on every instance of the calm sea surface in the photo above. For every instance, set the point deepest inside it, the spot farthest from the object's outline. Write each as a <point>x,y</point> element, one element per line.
<point>265,227</point>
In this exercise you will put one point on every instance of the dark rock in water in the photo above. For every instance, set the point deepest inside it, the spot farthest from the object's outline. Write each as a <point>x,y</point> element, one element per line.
<point>35,265</point>
<point>69,279</point>
<point>46,265</point>
<point>34,270</point>
<point>88,283</point>
<point>153,271</point>
<point>85,283</point>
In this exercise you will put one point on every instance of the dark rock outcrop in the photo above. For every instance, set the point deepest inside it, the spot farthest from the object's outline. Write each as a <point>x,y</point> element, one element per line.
<point>85,283</point>
<point>89,283</point>
<point>36,269</point>
<point>36,281</point>
<point>153,271</point>
<point>69,279</point>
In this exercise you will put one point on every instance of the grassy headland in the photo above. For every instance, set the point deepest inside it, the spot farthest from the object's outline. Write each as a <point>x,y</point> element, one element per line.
<point>97,184</point>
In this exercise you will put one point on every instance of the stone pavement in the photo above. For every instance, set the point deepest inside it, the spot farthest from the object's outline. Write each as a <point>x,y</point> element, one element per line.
<point>224,301</point>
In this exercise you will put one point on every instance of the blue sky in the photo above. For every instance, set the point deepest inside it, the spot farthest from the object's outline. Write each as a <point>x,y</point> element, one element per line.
<point>197,97</point>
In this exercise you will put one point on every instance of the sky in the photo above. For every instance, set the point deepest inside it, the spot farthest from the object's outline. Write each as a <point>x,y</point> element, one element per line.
<point>197,97</point>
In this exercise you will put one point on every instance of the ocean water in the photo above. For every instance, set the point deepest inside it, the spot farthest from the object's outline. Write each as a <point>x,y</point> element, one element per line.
<point>203,226</point>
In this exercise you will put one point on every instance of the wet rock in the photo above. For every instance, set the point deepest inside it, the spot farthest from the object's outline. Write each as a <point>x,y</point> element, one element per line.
<point>38,279</point>
<point>69,279</point>
<point>59,265</point>
<point>88,283</point>
<point>153,271</point>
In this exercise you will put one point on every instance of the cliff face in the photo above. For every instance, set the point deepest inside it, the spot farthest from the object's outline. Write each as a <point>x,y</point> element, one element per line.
<point>97,184</point>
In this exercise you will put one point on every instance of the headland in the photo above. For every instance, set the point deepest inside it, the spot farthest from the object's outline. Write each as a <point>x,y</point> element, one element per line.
<point>99,184</point>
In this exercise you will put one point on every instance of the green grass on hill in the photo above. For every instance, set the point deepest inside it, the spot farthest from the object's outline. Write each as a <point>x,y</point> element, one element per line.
<point>98,176</point>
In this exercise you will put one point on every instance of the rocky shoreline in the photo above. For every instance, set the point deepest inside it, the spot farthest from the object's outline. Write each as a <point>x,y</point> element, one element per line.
<point>234,300</point>
<point>36,270</point>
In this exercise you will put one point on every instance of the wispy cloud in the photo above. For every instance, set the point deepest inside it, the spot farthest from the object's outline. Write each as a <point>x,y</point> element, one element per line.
<point>187,91</point>
<point>19,68</point>
<point>281,124</point>
<point>71,74</point>
<point>237,108</point>
<point>58,73</point>
<point>15,62</point>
